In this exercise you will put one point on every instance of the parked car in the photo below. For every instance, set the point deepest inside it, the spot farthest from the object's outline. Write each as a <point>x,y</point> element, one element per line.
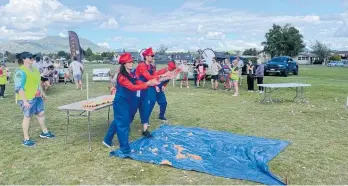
<point>339,64</point>
<point>281,65</point>
<point>336,64</point>
<point>332,64</point>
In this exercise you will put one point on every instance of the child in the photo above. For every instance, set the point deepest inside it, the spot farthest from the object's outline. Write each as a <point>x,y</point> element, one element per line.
<point>234,77</point>
<point>227,71</point>
<point>201,70</point>
<point>184,74</point>
<point>3,80</point>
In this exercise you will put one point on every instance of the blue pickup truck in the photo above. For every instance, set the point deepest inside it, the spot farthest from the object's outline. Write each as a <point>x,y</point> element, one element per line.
<point>283,65</point>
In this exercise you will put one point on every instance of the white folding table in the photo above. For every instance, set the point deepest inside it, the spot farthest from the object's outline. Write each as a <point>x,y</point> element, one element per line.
<point>270,88</point>
<point>78,106</point>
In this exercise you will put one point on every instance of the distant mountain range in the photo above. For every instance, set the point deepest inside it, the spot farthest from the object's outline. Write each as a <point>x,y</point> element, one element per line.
<point>49,44</point>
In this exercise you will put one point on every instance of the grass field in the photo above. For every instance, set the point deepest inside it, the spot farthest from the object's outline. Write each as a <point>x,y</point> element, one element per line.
<point>318,133</point>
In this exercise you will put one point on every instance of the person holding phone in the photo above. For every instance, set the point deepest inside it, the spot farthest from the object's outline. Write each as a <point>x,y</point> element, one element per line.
<point>250,78</point>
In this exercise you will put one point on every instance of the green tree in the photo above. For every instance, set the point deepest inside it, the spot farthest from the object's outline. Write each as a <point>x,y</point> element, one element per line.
<point>335,58</point>
<point>89,52</point>
<point>250,52</point>
<point>62,54</point>
<point>283,41</point>
<point>321,50</point>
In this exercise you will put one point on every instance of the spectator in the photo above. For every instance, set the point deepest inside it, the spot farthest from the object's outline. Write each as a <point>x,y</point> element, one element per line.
<point>3,80</point>
<point>195,73</point>
<point>235,77</point>
<point>227,71</point>
<point>201,72</point>
<point>184,74</point>
<point>250,78</point>
<point>240,71</point>
<point>215,68</point>
<point>45,79</point>
<point>77,69</point>
<point>259,74</point>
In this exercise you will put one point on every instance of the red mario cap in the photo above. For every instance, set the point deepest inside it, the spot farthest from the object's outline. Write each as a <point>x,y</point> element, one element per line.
<point>148,52</point>
<point>171,65</point>
<point>125,58</point>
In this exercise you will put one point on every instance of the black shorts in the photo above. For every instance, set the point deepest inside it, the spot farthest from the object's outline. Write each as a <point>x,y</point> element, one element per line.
<point>215,77</point>
<point>44,79</point>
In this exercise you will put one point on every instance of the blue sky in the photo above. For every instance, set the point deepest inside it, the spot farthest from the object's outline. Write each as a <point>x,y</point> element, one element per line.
<point>180,25</point>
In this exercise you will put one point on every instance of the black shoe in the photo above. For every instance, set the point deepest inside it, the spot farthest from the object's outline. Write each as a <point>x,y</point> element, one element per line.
<point>147,134</point>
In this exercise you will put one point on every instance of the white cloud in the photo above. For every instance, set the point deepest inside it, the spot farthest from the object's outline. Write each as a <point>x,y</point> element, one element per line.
<point>125,42</point>
<point>61,34</point>
<point>201,19</point>
<point>111,23</point>
<point>32,19</point>
<point>104,44</point>
<point>215,35</point>
<point>12,34</point>
<point>24,15</point>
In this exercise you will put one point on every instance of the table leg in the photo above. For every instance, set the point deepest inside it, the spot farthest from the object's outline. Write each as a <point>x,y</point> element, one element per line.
<point>297,91</point>
<point>67,126</point>
<point>89,130</point>
<point>108,116</point>
<point>300,94</point>
<point>268,95</point>
<point>265,95</point>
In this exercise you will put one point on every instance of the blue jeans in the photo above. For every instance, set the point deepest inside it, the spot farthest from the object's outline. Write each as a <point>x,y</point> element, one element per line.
<point>162,102</point>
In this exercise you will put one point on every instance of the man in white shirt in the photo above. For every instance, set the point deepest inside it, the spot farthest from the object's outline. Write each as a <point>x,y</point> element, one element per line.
<point>215,68</point>
<point>77,69</point>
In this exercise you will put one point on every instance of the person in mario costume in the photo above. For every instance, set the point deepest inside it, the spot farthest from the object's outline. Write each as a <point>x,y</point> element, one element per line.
<point>145,71</point>
<point>127,86</point>
<point>161,97</point>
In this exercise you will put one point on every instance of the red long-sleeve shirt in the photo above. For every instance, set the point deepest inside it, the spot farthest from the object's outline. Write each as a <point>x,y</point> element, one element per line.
<point>124,81</point>
<point>143,70</point>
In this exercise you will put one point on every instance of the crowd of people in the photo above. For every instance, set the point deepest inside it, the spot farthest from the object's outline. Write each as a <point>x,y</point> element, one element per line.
<point>225,71</point>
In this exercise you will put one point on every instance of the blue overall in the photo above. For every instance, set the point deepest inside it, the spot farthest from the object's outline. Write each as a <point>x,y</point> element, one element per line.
<point>124,103</point>
<point>147,99</point>
<point>136,103</point>
<point>162,101</point>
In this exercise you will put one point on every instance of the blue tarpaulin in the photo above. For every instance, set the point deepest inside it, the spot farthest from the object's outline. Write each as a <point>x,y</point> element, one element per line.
<point>213,152</point>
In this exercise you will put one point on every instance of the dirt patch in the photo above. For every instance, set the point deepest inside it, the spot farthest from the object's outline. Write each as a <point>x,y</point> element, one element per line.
<point>195,157</point>
<point>166,162</point>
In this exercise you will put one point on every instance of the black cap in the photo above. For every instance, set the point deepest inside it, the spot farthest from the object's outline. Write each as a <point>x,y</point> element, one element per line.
<point>25,55</point>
